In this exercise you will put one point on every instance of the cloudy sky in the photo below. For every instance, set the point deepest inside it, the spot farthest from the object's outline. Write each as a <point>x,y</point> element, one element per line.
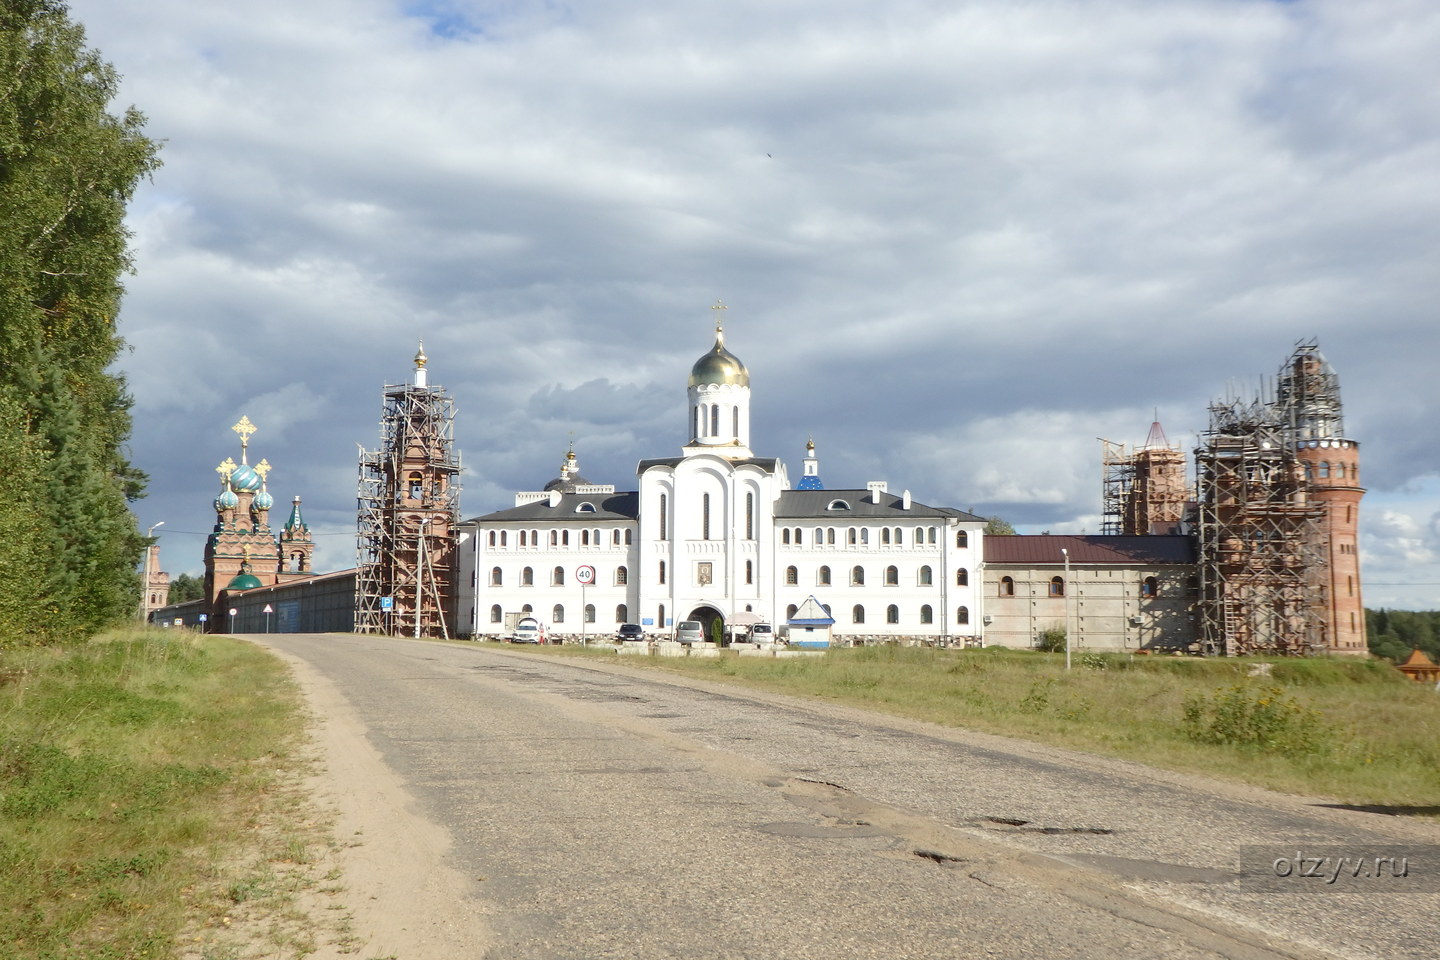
<point>958,241</point>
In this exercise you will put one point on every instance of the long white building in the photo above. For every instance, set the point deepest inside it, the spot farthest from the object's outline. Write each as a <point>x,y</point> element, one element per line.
<point>719,534</point>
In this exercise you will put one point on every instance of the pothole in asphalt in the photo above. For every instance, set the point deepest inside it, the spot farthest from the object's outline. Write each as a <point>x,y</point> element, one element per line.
<point>938,857</point>
<point>1015,825</point>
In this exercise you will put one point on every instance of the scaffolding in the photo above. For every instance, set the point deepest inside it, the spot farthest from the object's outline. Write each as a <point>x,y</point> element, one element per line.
<point>1263,565</point>
<point>1144,489</point>
<point>407,510</point>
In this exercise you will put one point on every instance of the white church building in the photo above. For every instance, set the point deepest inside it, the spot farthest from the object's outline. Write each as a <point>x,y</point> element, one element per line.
<point>719,534</point>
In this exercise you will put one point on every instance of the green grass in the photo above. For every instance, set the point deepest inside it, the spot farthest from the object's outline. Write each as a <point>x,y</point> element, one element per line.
<point>1355,731</point>
<point>137,773</point>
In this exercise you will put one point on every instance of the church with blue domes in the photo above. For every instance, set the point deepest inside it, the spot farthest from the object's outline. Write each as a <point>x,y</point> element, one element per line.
<point>720,536</point>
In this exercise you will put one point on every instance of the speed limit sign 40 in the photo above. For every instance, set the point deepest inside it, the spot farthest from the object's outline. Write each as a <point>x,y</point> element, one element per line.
<point>585,574</point>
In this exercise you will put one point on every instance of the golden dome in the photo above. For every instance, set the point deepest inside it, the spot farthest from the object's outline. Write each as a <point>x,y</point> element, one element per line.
<point>719,366</point>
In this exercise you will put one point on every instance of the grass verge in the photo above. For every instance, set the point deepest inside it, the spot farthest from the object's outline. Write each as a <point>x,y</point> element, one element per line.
<point>152,802</point>
<point>1355,731</point>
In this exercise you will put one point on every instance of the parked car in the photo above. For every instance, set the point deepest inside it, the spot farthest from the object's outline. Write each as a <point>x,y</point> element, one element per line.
<point>689,631</point>
<point>630,631</point>
<point>528,630</point>
<point>762,633</point>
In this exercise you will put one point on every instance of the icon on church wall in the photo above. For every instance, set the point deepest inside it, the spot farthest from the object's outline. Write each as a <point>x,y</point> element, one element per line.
<point>704,573</point>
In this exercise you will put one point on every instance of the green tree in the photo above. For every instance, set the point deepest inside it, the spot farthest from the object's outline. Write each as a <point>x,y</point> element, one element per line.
<point>998,527</point>
<point>67,170</point>
<point>185,587</point>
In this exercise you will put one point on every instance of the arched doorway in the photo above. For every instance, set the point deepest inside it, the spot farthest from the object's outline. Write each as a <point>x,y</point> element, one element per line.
<point>709,617</point>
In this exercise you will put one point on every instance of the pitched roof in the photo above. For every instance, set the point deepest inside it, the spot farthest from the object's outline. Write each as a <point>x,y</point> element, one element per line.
<point>624,505</point>
<point>815,504</point>
<point>1046,549</point>
<point>768,464</point>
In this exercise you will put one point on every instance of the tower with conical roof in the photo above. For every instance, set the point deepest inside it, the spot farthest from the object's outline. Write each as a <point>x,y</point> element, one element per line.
<point>719,407</point>
<point>296,545</point>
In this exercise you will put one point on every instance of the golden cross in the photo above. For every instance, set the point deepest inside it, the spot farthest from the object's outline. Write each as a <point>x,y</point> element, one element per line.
<point>720,317</point>
<point>227,467</point>
<point>263,468</point>
<point>244,428</point>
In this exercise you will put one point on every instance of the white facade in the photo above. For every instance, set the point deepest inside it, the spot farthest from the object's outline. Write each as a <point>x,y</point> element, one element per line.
<point>718,532</point>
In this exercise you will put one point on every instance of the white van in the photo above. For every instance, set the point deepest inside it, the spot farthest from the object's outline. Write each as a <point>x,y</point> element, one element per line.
<point>762,633</point>
<point>689,631</point>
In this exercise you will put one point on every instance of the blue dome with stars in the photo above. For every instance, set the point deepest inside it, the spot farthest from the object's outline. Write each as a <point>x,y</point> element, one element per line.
<point>809,483</point>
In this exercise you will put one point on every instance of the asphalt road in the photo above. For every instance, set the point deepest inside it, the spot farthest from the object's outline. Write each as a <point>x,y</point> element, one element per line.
<point>606,812</point>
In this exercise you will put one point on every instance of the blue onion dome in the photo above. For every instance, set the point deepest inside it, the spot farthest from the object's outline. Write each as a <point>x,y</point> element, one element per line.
<point>227,500</point>
<point>809,483</point>
<point>719,366</point>
<point>263,500</point>
<point>245,479</point>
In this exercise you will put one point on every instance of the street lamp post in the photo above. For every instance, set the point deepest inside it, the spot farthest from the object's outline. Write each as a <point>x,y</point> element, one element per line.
<point>1065,596</point>
<point>145,583</point>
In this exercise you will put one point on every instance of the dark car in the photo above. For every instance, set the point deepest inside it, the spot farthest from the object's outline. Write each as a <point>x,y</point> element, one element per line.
<point>630,631</point>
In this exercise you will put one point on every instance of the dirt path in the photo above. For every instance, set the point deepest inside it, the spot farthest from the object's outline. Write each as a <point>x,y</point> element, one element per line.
<point>404,900</point>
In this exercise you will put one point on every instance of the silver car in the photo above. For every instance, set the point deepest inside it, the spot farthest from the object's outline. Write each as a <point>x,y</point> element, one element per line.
<point>689,631</point>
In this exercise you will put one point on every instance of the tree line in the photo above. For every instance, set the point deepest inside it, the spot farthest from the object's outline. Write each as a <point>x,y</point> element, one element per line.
<point>1394,633</point>
<point>68,168</point>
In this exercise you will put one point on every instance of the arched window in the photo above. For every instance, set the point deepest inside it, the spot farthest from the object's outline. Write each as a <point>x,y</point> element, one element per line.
<point>660,617</point>
<point>749,516</point>
<point>715,420</point>
<point>492,538</point>
<point>662,571</point>
<point>884,536</point>
<point>749,571</point>
<point>502,538</point>
<point>589,613</point>
<point>822,577</point>
<point>554,538</point>
<point>1340,469</point>
<point>664,518</point>
<point>926,614</point>
<point>792,576</point>
<point>926,576</point>
<point>899,537</point>
<point>417,486</point>
<point>1324,469</point>
<point>785,536</point>
<point>1149,587</point>
<point>892,614</point>
<point>962,577</point>
<point>962,539</point>
<point>932,534</point>
<point>892,576</point>
<point>705,517</point>
<point>522,538</point>
<point>830,536</point>
<point>622,613</point>
<point>857,615</point>
<point>798,537</point>
<point>627,537</point>
<point>526,610</point>
<point>615,538</point>
<point>735,422</point>
<point>1007,587</point>
<point>584,539</point>
<point>865,535</point>
<point>558,614</point>
<point>564,538</point>
<point>557,577</point>
<point>622,576</point>
<point>527,577</point>
<point>857,576</point>
<point>790,611</point>
<point>495,615</point>
<point>962,615</point>
<point>534,538</point>
<point>1057,586</point>
<point>496,578</point>
<point>850,536</point>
